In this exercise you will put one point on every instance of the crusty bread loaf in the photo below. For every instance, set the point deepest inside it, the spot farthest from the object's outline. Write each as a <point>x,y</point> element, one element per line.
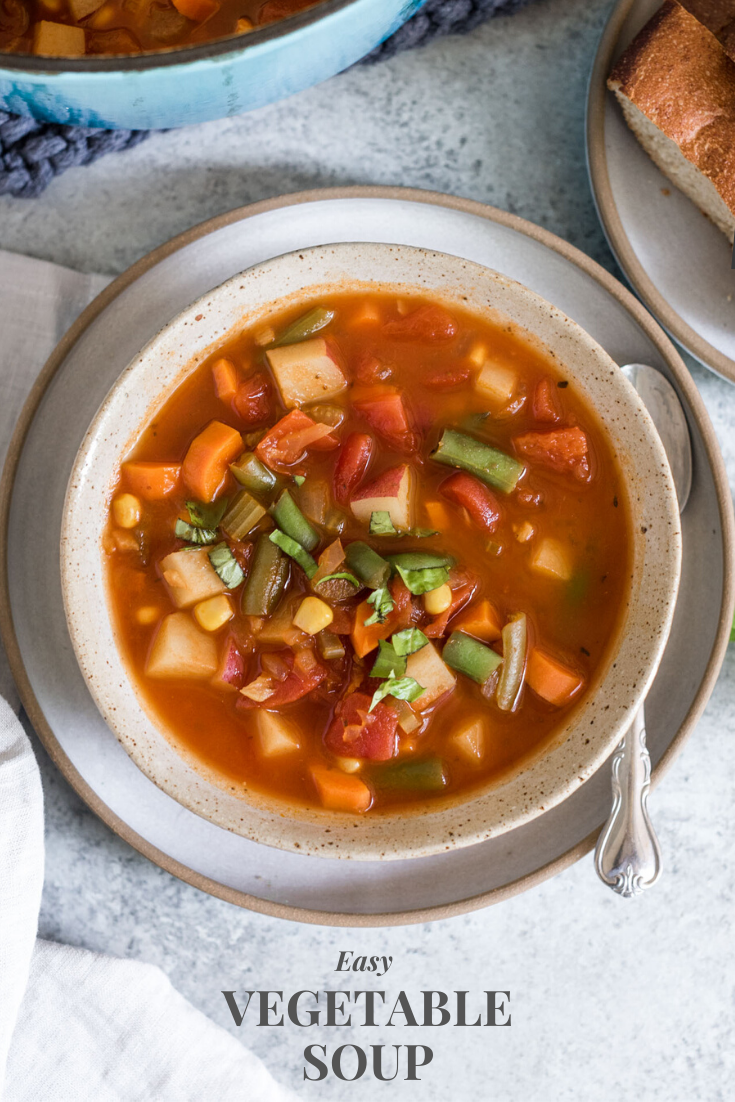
<point>718,16</point>
<point>676,86</point>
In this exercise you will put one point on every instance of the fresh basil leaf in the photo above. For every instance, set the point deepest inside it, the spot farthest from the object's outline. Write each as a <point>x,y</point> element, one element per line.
<point>226,566</point>
<point>299,479</point>
<point>389,662</point>
<point>404,688</point>
<point>381,524</point>
<point>184,531</point>
<point>206,516</point>
<point>421,533</point>
<point>408,641</point>
<point>295,550</point>
<point>342,574</point>
<point>423,581</point>
<point>382,602</point>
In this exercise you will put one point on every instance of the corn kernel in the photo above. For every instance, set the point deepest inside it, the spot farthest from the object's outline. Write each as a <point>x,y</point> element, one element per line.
<point>213,613</point>
<point>313,615</point>
<point>438,600</point>
<point>147,614</point>
<point>127,510</point>
<point>349,765</point>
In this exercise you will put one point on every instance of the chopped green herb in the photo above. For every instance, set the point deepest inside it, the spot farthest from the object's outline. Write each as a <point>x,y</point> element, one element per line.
<point>226,566</point>
<point>408,641</point>
<point>299,479</point>
<point>206,516</point>
<point>381,524</point>
<point>382,602</point>
<point>421,533</point>
<point>403,688</point>
<point>424,581</point>
<point>342,574</point>
<point>184,531</point>
<point>295,551</point>
<point>419,560</point>
<point>388,663</point>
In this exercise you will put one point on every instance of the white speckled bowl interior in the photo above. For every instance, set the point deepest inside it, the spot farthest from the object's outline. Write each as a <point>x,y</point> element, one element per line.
<point>589,732</point>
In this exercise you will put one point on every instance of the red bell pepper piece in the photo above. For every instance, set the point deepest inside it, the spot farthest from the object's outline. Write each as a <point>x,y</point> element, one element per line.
<point>428,323</point>
<point>352,463</point>
<point>357,733</point>
<point>479,501</point>
<point>297,684</point>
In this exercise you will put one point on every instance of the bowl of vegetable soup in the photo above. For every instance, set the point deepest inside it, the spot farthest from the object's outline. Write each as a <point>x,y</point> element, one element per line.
<point>139,64</point>
<point>370,553</point>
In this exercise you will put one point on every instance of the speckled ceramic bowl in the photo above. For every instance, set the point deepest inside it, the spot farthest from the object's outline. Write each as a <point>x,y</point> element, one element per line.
<point>589,733</point>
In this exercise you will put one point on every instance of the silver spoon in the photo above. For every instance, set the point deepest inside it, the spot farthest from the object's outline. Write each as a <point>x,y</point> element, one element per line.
<point>628,856</point>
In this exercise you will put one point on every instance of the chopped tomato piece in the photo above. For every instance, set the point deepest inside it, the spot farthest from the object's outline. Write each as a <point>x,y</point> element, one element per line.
<point>428,323</point>
<point>273,10</point>
<point>386,413</point>
<point>369,369</point>
<point>352,463</point>
<point>197,10</point>
<point>299,682</point>
<point>286,443</point>
<point>447,379</point>
<point>546,405</point>
<point>403,613</point>
<point>477,498</point>
<point>253,399</point>
<point>462,592</point>
<point>561,450</point>
<point>365,638</point>
<point>357,733</point>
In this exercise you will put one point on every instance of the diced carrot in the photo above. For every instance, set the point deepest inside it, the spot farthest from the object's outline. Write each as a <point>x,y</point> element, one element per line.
<point>152,481</point>
<point>551,679</point>
<point>197,10</point>
<point>205,465</point>
<point>340,791</point>
<point>364,639</point>
<point>438,516</point>
<point>481,620</point>
<point>225,379</point>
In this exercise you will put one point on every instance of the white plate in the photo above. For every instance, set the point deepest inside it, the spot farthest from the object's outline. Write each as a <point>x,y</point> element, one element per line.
<point>675,258</point>
<point>102,342</point>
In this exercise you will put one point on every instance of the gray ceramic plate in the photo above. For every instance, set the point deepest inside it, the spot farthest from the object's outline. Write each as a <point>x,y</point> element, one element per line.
<point>675,259</point>
<point>73,384</point>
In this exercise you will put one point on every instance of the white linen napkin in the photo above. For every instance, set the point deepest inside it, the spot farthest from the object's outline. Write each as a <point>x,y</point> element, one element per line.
<point>77,1026</point>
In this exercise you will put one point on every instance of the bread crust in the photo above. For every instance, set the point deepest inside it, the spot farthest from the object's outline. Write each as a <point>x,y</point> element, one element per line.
<point>678,75</point>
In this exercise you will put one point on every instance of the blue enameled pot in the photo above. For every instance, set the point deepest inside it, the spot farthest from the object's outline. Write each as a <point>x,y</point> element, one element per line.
<point>196,83</point>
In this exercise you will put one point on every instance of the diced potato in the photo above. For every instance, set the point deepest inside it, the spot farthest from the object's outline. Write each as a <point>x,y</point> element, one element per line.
<point>181,650</point>
<point>349,765</point>
<point>266,335</point>
<point>392,492</point>
<point>80,9</point>
<point>147,614</point>
<point>478,354</point>
<point>306,372</point>
<point>470,739</point>
<point>58,39</point>
<point>213,613</point>
<point>276,735</point>
<point>259,690</point>
<point>127,511</point>
<point>427,667</point>
<point>497,383</point>
<point>553,559</point>
<point>190,577</point>
<point>279,628</point>
<point>438,600</point>
<point>313,615</point>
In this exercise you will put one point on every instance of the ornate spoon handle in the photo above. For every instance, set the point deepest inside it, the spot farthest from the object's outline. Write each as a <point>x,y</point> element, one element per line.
<point>628,857</point>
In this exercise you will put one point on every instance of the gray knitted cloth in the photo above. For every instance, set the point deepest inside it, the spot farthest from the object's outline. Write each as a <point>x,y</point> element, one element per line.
<point>32,153</point>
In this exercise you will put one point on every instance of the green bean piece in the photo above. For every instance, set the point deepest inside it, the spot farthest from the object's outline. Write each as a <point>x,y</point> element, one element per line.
<point>455,449</point>
<point>266,580</point>
<point>292,521</point>
<point>419,560</point>
<point>304,327</point>
<point>367,564</point>
<point>411,776</point>
<point>470,657</point>
<point>254,475</point>
<point>515,642</point>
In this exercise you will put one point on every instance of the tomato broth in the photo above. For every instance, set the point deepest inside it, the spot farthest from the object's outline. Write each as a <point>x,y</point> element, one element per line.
<point>369,554</point>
